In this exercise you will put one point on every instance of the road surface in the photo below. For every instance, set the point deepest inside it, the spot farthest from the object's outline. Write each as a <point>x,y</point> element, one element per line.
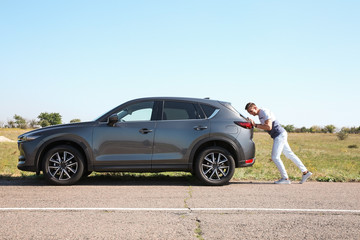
<point>178,208</point>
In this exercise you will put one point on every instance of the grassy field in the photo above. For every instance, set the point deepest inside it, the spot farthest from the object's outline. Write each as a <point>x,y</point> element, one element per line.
<point>327,157</point>
<point>9,153</point>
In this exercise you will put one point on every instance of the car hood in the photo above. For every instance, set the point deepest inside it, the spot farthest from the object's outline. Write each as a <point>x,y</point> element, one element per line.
<point>59,127</point>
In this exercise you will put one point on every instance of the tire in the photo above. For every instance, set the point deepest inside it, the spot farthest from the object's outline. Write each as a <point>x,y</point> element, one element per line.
<point>214,166</point>
<point>63,165</point>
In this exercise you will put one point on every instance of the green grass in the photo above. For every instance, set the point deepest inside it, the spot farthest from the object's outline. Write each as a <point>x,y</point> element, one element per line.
<point>9,154</point>
<point>327,157</point>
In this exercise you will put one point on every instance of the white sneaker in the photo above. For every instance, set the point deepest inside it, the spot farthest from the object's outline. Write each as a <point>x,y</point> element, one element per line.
<point>283,181</point>
<point>305,177</point>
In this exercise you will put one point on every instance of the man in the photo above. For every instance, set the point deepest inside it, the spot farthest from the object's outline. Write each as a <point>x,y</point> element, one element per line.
<point>278,133</point>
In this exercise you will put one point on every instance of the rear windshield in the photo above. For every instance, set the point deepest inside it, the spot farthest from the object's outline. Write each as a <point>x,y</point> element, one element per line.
<point>229,106</point>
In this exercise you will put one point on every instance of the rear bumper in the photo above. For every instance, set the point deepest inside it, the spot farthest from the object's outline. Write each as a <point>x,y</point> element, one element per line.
<point>245,163</point>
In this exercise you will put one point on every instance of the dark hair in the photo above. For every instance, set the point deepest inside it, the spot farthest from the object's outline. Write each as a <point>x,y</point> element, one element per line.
<point>250,104</point>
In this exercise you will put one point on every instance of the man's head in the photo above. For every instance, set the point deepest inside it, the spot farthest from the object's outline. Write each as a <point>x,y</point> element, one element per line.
<point>252,109</point>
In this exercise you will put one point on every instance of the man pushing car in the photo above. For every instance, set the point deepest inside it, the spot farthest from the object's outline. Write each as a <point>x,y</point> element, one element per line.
<point>269,123</point>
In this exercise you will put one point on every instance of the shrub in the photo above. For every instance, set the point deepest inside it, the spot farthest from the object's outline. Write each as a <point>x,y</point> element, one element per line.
<point>342,135</point>
<point>76,120</point>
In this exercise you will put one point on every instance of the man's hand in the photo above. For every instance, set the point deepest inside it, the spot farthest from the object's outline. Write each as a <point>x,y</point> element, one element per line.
<point>252,121</point>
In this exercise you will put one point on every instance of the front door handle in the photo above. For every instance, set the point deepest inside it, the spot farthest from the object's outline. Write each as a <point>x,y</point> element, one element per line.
<point>199,128</point>
<point>145,131</point>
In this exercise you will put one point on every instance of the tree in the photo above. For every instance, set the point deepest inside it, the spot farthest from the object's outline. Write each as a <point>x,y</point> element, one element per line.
<point>33,123</point>
<point>304,129</point>
<point>47,119</point>
<point>289,128</point>
<point>75,120</point>
<point>330,128</point>
<point>20,122</point>
<point>44,123</point>
<point>11,124</point>
<point>353,130</point>
<point>345,130</point>
<point>315,129</point>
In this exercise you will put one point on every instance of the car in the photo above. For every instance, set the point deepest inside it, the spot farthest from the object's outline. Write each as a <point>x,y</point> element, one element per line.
<point>208,138</point>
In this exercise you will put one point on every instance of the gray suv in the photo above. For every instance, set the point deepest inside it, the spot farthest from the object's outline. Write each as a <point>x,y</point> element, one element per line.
<point>206,137</point>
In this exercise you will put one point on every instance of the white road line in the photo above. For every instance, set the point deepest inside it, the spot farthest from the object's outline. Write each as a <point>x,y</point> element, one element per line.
<point>185,209</point>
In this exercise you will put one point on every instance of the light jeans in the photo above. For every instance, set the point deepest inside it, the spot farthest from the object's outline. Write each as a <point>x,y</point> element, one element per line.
<point>281,145</point>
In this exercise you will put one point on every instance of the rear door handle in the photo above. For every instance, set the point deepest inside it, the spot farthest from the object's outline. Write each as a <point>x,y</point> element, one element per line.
<point>145,131</point>
<point>199,128</point>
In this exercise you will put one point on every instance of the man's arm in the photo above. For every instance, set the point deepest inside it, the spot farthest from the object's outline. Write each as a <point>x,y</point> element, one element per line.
<point>267,126</point>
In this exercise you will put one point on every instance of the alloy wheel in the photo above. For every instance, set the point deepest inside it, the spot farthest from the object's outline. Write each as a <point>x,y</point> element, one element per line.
<point>215,166</point>
<point>63,165</point>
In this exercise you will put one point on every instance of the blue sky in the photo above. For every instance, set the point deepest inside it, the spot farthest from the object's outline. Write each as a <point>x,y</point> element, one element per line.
<point>81,58</point>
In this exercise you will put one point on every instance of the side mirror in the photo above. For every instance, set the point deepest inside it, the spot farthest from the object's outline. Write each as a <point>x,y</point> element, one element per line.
<point>113,119</point>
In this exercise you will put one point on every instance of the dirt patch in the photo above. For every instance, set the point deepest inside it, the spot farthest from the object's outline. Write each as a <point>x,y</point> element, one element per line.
<point>5,139</point>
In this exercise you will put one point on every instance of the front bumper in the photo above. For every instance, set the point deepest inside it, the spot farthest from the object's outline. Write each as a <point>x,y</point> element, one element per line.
<point>26,161</point>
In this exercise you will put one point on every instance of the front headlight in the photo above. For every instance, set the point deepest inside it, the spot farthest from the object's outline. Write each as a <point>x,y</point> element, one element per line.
<point>25,138</point>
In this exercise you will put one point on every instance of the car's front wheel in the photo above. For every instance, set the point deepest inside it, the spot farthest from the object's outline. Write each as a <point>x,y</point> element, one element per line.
<point>63,165</point>
<point>215,166</point>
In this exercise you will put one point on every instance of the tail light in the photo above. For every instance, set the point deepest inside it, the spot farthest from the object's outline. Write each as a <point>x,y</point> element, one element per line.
<point>249,161</point>
<point>247,125</point>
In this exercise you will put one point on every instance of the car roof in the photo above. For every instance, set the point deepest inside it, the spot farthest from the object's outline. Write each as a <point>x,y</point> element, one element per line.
<point>201,100</point>
<point>212,102</point>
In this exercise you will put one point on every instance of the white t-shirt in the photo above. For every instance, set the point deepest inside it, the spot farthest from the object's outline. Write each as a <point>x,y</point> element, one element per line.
<point>266,114</point>
<point>277,129</point>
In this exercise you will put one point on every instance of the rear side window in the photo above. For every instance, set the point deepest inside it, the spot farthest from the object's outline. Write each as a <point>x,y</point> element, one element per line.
<point>179,111</point>
<point>208,110</point>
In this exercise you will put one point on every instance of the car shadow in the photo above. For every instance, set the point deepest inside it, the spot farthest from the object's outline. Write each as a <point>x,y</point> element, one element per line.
<point>108,180</point>
<point>114,180</point>
<point>22,181</point>
<point>105,180</point>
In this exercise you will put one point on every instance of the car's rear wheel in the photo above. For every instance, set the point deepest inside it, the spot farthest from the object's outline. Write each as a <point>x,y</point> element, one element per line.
<point>63,165</point>
<point>215,166</point>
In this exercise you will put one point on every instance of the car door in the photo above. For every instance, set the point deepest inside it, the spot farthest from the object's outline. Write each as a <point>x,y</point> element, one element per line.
<point>182,125</point>
<point>128,144</point>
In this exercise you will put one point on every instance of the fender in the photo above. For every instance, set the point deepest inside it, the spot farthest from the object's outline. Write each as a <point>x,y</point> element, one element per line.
<point>238,149</point>
<point>64,137</point>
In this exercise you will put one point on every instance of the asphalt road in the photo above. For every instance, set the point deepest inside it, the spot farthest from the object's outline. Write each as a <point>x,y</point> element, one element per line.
<point>178,209</point>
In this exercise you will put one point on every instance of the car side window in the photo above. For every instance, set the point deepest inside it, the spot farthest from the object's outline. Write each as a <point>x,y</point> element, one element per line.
<point>137,112</point>
<point>208,110</point>
<point>179,111</point>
